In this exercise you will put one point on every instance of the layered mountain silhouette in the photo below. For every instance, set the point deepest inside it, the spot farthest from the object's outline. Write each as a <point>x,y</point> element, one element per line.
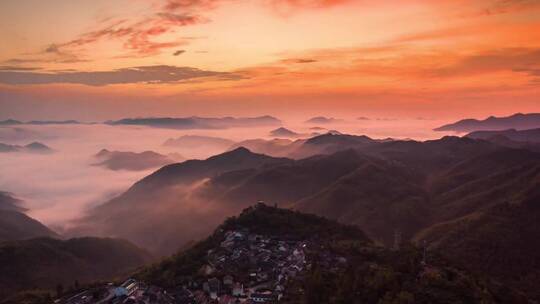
<point>148,213</point>
<point>46,263</point>
<point>277,147</point>
<point>34,147</point>
<point>284,133</point>
<point>15,224</point>
<point>436,190</point>
<point>195,122</point>
<point>228,182</point>
<point>367,273</point>
<point>517,121</point>
<point>322,120</point>
<point>33,257</point>
<point>527,139</point>
<point>121,160</point>
<point>8,202</point>
<point>198,141</point>
<point>329,142</point>
<point>39,122</point>
<point>527,136</point>
<point>9,122</point>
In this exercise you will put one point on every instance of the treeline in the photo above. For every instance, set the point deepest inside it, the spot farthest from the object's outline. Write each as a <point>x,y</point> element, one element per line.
<point>377,275</point>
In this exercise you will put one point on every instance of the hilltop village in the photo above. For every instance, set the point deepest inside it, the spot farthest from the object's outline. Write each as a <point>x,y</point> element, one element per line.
<point>272,255</point>
<point>245,268</point>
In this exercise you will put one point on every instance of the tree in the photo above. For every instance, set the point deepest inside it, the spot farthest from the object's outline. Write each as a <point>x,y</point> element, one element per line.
<point>315,289</point>
<point>59,290</point>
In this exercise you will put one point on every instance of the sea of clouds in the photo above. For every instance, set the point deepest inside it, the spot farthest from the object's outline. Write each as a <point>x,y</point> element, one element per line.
<point>58,188</point>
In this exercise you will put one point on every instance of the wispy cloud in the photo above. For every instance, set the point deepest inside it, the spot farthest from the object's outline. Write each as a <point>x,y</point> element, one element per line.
<point>290,7</point>
<point>509,59</point>
<point>138,37</point>
<point>144,74</point>
<point>309,3</point>
<point>51,53</point>
<point>508,6</point>
<point>17,68</point>
<point>298,60</point>
<point>175,5</point>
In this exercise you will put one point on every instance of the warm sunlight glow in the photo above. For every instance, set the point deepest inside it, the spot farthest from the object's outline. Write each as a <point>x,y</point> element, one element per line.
<point>441,56</point>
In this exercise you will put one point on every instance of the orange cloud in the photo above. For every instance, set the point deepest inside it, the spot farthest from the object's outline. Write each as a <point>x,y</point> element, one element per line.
<point>144,74</point>
<point>509,59</point>
<point>174,5</point>
<point>309,3</point>
<point>510,6</point>
<point>138,36</point>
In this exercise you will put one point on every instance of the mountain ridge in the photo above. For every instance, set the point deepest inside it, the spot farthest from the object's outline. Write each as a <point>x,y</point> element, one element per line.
<point>132,161</point>
<point>15,224</point>
<point>195,122</point>
<point>46,263</point>
<point>517,121</point>
<point>341,264</point>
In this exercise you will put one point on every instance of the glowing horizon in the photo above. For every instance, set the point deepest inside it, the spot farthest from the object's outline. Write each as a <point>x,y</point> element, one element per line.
<point>103,59</point>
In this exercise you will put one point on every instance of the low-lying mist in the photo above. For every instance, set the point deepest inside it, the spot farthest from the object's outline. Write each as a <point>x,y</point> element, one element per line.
<point>61,187</point>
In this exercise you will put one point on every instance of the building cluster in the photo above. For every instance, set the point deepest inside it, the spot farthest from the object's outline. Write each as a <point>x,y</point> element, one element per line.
<point>249,268</point>
<point>244,268</point>
<point>129,292</point>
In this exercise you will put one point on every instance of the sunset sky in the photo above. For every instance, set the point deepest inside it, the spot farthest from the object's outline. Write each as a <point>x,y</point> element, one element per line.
<point>103,59</point>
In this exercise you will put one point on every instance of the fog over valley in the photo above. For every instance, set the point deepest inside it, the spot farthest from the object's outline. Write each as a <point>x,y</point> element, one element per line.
<point>270,152</point>
<point>59,187</point>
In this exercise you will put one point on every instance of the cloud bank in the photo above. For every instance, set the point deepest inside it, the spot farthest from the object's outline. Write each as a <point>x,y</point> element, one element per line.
<point>143,74</point>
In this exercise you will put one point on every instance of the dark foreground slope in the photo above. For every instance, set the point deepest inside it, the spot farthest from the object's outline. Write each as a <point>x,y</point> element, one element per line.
<point>19,226</point>
<point>444,191</point>
<point>45,263</point>
<point>15,224</point>
<point>259,219</point>
<point>501,242</point>
<point>341,266</point>
<point>8,202</point>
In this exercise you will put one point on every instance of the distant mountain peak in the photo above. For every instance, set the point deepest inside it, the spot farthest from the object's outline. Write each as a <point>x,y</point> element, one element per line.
<point>196,122</point>
<point>240,151</point>
<point>102,152</point>
<point>37,145</point>
<point>9,202</point>
<point>322,120</point>
<point>34,147</point>
<point>518,121</point>
<point>122,160</point>
<point>196,142</point>
<point>529,139</point>
<point>283,132</point>
<point>10,122</point>
<point>281,129</point>
<point>332,137</point>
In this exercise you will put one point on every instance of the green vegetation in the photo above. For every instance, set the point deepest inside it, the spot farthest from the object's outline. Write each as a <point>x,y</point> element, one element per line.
<point>372,274</point>
<point>260,219</point>
<point>263,219</point>
<point>376,275</point>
